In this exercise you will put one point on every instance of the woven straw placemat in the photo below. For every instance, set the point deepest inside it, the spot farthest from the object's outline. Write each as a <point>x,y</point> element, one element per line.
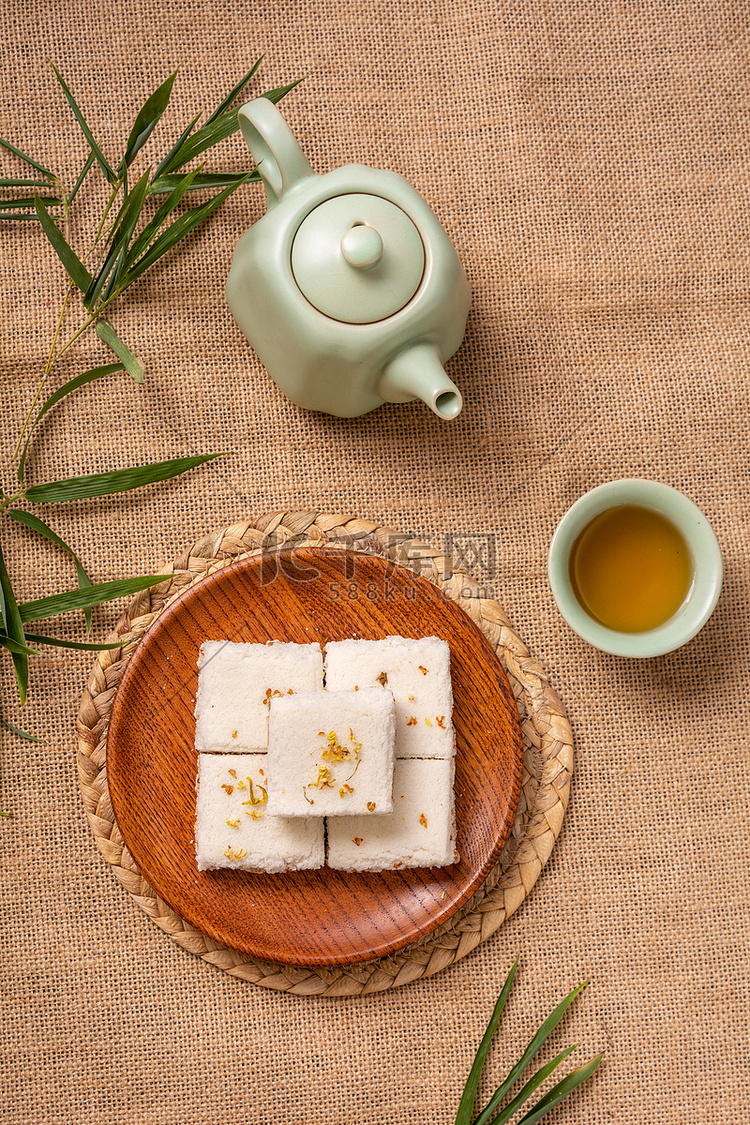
<point>548,755</point>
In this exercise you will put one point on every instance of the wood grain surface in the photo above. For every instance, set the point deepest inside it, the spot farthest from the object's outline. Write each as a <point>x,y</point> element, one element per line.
<point>321,917</point>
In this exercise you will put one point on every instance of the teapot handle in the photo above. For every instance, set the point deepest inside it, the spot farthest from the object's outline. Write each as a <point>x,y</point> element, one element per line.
<point>281,162</point>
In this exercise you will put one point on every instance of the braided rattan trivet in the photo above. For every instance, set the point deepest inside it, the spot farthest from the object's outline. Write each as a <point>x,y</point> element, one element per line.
<point>548,755</point>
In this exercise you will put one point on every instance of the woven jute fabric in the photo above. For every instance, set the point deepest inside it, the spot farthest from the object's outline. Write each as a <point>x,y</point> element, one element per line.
<point>547,750</point>
<point>589,162</point>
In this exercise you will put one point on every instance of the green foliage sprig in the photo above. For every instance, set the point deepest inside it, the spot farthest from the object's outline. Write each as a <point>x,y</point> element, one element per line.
<point>493,1114</point>
<point>139,224</point>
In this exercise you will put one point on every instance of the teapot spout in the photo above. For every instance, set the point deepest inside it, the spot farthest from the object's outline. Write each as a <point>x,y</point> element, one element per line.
<point>419,373</point>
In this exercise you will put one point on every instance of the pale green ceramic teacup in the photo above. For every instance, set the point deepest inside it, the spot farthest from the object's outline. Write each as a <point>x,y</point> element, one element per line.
<point>707,569</point>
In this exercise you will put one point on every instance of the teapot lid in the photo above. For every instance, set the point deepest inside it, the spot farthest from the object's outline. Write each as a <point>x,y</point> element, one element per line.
<point>358,258</point>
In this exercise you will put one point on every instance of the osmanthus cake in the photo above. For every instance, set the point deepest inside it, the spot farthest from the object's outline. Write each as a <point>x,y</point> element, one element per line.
<point>233,829</point>
<point>331,753</point>
<point>364,754</point>
<point>419,832</point>
<point>418,675</point>
<point>236,683</point>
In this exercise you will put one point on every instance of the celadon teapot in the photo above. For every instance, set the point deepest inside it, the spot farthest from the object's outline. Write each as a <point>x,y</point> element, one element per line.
<point>348,288</point>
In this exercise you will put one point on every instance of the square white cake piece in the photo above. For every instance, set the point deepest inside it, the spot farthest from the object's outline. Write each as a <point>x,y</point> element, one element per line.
<point>417,673</point>
<point>236,683</point>
<point>233,828</point>
<point>420,832</point>
<point>330,753</point>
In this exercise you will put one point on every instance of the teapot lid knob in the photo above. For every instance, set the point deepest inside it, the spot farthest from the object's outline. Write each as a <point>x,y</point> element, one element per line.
<point>362,246</point>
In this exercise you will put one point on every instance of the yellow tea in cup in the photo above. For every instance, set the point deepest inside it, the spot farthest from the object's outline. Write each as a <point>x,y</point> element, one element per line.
<point>630,568</point>
<point>635,568</point>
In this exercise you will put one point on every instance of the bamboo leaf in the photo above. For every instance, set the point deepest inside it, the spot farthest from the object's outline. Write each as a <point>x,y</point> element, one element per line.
<point>10,182</point>
<point>82,176</point>
<point>183,181</point>
<point>98,278</point>
<point>280,92</point>
<point>28,159</point>
<point>220,125</point>
<point>466,1104</point>
<point>58,642</point>
<point>176,232</point>
<point>23,734</point>
<point>83,599</point>
<point>13,623</point>
<point>176,146</point>
<point>206,137</point>
<point>531,1086</point>
<point>28,519</point>
<point>132,365</point>
<point>19,216</point>
<point>169,238</point>
<point>3,605</point>
<point>210,134</point>
<point>535,1044</point>
<point>201,181</point>
<point>235,91</point>
<point>15,647</point>
<point>99,155</point>
<point>67,388</point>
<point>123,229</point>
<point>81,380</point>
<point>27,201</point>
<point>118,480</point>
<point>214,131</point>
<point>74,267</point>
<point>148,118</point>
<point>560,1091</point>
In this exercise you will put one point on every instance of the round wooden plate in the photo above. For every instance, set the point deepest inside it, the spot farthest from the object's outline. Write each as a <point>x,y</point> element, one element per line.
<point>323,917</point>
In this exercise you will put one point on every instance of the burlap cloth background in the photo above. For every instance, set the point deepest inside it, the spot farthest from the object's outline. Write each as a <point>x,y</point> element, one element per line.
<point>590,163</point>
